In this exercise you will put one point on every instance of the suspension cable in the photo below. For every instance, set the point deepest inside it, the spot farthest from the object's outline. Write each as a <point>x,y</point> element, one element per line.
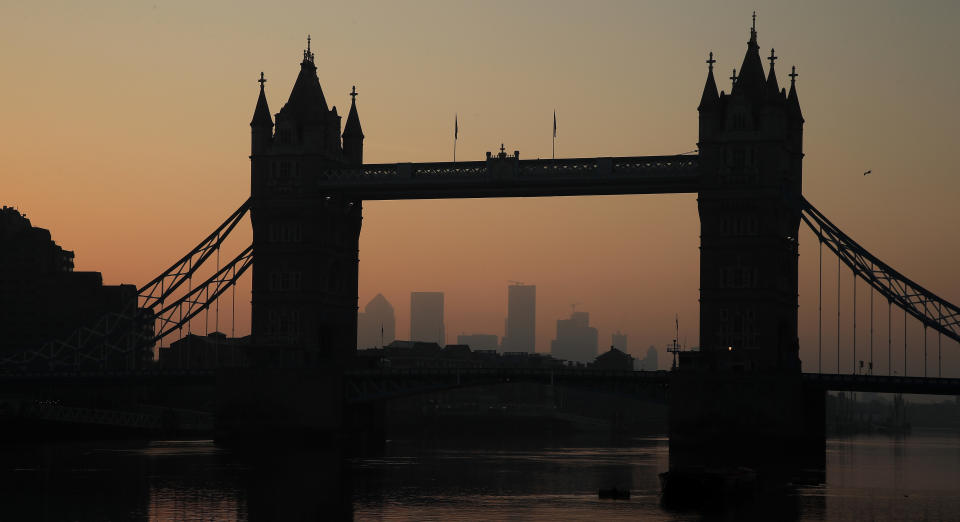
<point>820,307</point>
<point>217,314</point>
<point>904,342</point>
<point>889,339</point>
<point>233,306</point>
<point>853,276</point>
<point>838,315</point>
<point>871,323</point>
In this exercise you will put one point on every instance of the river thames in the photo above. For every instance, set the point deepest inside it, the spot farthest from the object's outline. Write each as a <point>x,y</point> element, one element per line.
<point>866,478</point>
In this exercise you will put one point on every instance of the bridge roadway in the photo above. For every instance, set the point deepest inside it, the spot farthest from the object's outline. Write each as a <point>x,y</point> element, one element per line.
<point>387,383</point>
<point>509,176</point>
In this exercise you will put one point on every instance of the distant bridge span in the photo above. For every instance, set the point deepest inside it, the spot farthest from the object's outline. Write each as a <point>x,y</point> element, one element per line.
<point>391,383</point>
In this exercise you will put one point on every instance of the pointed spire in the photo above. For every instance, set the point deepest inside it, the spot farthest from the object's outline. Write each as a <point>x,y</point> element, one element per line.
<point>773,88</point>
<point>352,127</point>
<point>751,81</point>
<point>793,101</point>
<point>306,102</point>
<point>352,133</point>
<point>709,98</point>
<point>307,54</point>
<point>261,115</point>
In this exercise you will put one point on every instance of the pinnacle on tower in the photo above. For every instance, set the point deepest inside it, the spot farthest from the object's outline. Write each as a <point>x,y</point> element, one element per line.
<point>307,54</point>
<point>793,101</point>
<point>709,98</point>
<point>750,82</point>
<point>261,115</point>
<point>306,102</point>
<point>353,133</point>
<point>352,127</point>
<point>773,88</point>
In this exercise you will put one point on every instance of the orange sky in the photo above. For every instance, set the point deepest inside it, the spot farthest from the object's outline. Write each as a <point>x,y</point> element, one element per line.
<point>126,134</point>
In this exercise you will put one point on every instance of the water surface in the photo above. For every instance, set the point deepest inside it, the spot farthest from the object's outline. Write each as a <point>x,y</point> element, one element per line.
<point>866,478</point>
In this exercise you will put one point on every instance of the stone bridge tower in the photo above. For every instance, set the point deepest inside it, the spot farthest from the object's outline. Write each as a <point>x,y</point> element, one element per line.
<point>740,400</point>
<point>305,243</point>
<point>751,152</point>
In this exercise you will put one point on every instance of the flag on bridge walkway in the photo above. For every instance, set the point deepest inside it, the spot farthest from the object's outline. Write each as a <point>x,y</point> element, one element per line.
<point>554,124</point>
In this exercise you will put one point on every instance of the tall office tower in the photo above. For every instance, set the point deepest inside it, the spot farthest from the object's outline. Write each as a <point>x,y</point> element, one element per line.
<point>520,335</point>
<point>426,317</point>
<point>376,325</point>
<point>619,341</point>
<point>576,339</point>
<point>651,361</point>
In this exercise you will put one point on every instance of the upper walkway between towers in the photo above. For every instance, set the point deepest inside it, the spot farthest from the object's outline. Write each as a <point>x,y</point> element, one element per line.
<point>505,175</point>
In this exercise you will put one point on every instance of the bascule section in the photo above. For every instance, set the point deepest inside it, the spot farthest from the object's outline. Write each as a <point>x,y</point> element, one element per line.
<point>751,152</point>
<point>305,241</point>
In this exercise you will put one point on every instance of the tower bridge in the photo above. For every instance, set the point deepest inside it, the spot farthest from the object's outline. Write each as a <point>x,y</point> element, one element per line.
<point>308,184</point>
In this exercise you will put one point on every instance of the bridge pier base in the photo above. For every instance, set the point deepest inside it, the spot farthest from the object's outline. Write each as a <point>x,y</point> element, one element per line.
<point>297,405</point>
<point>741,434</point>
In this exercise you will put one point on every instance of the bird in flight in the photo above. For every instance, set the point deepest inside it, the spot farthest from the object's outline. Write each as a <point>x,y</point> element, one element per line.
<point>867,172</point>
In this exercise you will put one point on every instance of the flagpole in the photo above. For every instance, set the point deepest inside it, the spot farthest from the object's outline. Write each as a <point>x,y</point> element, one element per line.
<point>553,147</point>
<point>456,130</point>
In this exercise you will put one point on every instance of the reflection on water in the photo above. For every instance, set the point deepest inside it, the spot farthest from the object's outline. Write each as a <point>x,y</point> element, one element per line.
<point>867,478</point>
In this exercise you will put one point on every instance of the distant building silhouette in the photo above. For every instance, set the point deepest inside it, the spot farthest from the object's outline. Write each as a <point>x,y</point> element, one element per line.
<point>414,354</point>
<point>196,352</point>
<point>479,341</point>
<point>576,339</point>
<point>426,317</point>
<point>41,297</point>
<point>619,341</point>
<point>614,359</point>
<point>376,325</point>
<point>651,361</point>
<point>520,334</point>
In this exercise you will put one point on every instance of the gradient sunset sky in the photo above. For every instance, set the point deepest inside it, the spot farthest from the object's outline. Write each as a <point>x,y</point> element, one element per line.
<point>126,133</point>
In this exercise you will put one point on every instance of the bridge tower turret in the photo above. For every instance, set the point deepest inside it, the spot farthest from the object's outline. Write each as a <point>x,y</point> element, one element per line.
<point>261,126</point>
<point>353,133</point>
<point>751,154</point>
<point>305,242</point>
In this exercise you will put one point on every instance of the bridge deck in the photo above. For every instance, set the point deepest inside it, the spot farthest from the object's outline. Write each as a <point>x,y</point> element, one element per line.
<point>406,377</point>
<point>884,383</point>
<point>512,177</point>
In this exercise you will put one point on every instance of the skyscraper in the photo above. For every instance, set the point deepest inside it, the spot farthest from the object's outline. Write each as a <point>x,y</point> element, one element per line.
<point>576,339</point>
<point>520,335</point>
<point>619,341</point>
<point>426,317</point>
<point>376,325</point>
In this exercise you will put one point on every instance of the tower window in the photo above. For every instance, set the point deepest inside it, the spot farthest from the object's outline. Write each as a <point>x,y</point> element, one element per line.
<point>739,121</point>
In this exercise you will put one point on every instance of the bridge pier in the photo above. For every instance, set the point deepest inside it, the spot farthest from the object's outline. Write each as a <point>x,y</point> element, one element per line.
<point>727,425</point>
<point>298,405</point>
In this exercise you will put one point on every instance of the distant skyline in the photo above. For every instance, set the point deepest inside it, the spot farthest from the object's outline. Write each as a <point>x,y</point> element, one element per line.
<point>128,139</point>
